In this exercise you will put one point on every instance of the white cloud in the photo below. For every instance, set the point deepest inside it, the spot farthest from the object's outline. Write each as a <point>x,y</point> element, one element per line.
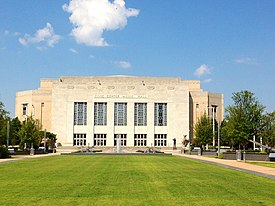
<point>16,33</point>
<point>207,80</point>
<point>92,17</point>
<point>41,48</point>
<point>73,51</point>
<point>91,56</point>
<point>123,64</point>
<point>10,34</point>
<point>245,60</point>
<point>6,32</point>
<point>203,69</point>
<point>45,34</point>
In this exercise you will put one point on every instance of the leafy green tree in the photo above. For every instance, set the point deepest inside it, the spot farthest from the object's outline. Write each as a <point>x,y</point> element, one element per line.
<point>244,117</point>
<point>15,126</point>
<point>3,113</point>
<point>226,139</point>
<point>268,132</point>
<point>29,133</point>
<point>50,138</point>
<point>3,124</point>
<point>203,131</point>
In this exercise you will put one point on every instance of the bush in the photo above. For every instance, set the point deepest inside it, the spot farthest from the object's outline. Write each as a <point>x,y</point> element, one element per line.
<point>220,156</point>
<point>4,153</point>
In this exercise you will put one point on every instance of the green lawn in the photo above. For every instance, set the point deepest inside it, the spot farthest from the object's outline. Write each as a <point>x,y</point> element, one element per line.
<point>266,164</point>
<point>129,180</point>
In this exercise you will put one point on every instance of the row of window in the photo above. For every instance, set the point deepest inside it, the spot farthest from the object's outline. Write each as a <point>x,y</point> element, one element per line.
<point>160,140</point>
<point>120,114</point>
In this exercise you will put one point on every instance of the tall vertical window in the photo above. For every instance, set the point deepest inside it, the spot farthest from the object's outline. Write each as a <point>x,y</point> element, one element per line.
<point>79,139</point>
<point>160,114</point>
<point>120,114</point>
<point>140,114</point>
<point>80,113</point>
<point>25,109</point>
<point>100,113</point>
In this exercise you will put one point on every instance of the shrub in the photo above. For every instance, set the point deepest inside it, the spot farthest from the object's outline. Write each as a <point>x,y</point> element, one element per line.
<point>4,153</point>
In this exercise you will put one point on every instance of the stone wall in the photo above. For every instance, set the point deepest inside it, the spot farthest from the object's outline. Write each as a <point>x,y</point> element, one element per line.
<point>248,156</point>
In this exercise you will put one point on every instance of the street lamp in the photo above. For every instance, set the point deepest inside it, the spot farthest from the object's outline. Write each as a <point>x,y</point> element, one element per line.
<point>219,144</point>
<point>41,119</point>
<point>41,113</point>
<point>213,107</point>
<point>8,132</point>
<point>33,111</point>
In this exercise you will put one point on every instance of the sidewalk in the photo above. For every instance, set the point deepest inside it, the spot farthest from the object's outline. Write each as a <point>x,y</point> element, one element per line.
<point>24,157</point>
<point>233,164</point>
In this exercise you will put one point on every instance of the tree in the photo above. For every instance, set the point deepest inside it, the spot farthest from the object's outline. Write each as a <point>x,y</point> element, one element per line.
<point>244,117</point>
<point>29,133</point>
<point>3,113</point>
<point>203,131</point>
<point>268,132</point>
<point>15,126</point>
<point>50,139</point>
<point>3,124</point>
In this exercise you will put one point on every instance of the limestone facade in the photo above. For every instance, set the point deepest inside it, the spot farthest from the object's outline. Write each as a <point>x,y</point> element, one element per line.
<point>99,110</point>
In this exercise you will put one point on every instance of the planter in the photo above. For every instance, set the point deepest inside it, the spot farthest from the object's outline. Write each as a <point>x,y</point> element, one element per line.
<point>248,156</point>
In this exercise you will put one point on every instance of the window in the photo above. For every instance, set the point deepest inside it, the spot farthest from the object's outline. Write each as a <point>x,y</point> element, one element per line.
<point>100,139</point>
<point>122,137</point>
<point>160,140</point>
<point>197,107</point>
<point>140,114</point>
<point>160,114</point>
<point>100,113</point>
<point>25,109</point>
<point>79,139</point>
<point>140,140</point>
<point>120,114</point>
<point>80,113</point>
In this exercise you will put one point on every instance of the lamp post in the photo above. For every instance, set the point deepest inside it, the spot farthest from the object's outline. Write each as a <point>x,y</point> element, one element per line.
<point>8,133</point>
<point>33,111</point>
<point>41,114</point>
<point>41,119</point>
<point>219,144</point>
<point>45,140</point>
<point>213,107</point>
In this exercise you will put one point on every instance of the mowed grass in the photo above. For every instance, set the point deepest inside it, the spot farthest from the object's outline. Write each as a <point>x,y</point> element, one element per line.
<point>266,164</point>
<point>129,180</point>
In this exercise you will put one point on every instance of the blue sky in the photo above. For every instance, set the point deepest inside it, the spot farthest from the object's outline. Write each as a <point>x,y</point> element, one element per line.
<point>229,45</point>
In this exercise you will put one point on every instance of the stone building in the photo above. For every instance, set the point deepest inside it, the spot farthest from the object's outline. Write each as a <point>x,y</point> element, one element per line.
<point>99,110</point>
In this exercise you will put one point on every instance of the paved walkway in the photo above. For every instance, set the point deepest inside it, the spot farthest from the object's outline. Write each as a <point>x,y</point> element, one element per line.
<point>233,164</point>
<point>24,157</point>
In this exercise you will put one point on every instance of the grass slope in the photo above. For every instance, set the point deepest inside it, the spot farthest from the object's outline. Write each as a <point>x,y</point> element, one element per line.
<point>129,180</point>
<point>266,164</point>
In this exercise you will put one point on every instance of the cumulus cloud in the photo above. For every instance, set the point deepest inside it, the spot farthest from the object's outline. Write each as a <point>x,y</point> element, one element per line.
<point>203,69</point>
<point>73,51</point>
<point>245,60</point>
<point>207,80</point>
<point>123,64</point>
<point>6,32</point>
<point>45,35</point>
<point>92,17</point>
<point>9,33</point>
